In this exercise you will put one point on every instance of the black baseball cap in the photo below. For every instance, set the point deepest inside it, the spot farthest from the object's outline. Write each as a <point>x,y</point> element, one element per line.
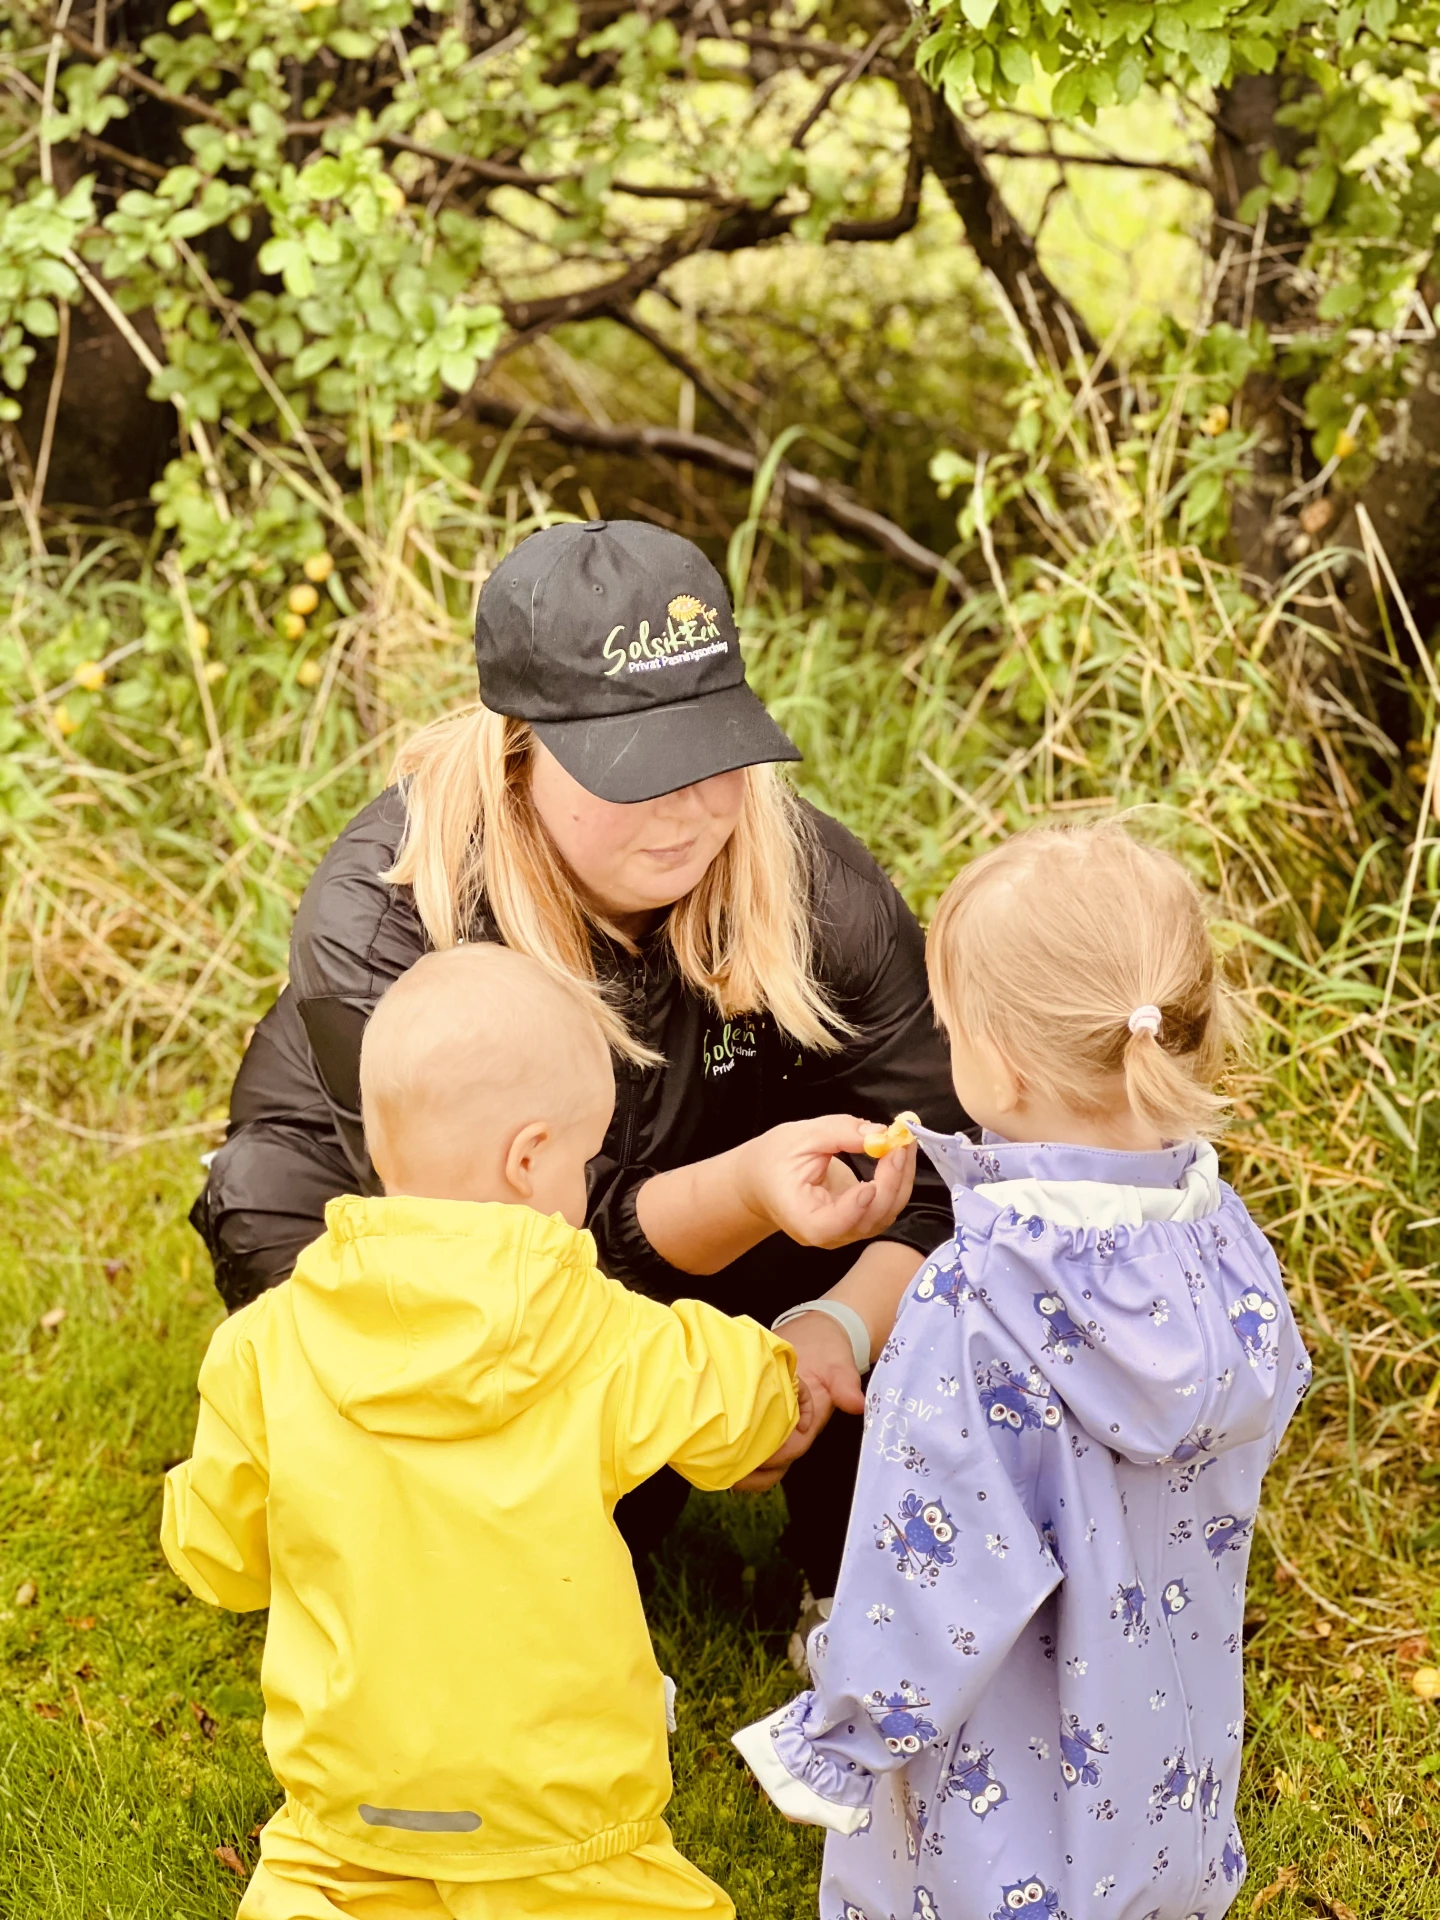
<point>616,641</point>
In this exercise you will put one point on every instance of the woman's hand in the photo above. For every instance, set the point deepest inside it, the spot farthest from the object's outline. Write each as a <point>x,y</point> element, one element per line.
<point>788,1180</point>
<point>825,1379</point>
<point>791,1178</point>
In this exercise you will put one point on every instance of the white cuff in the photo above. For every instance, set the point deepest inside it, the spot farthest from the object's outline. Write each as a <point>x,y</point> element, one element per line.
<point>792,1796</point>
<point>843,1316</point>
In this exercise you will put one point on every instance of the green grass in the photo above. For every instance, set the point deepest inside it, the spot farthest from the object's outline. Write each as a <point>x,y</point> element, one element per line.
<point>115,1793</point>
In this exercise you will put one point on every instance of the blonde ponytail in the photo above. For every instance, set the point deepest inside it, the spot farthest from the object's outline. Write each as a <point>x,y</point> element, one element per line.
<point>1057,943</point>
<point>1163,1091</point>
<point>741,939</point>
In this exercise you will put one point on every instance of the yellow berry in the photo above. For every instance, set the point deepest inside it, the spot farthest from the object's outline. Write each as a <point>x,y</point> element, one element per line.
<point>292,625</point>
<point>1425,1681</point>
<point>65,721</point>
<point>1216,420</point>
<point>309,674</point>
<point>90,675</point>
<point>214,671</point>
<point>302,600</point>
<point>1345,444</point>
<point>319,567</point>
<point>202,636</point>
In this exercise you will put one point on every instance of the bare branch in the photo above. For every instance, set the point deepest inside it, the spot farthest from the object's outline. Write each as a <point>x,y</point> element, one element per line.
<point>828,92</point>
<point>1002,150</point>
<point>533,317</point>
<point>839,507</point>
<point>686,367</point>
<point>823,53</point>
<point>1001,244</point>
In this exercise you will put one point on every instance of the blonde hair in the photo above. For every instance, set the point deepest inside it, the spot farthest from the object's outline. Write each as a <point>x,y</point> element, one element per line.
<point>1049,944</point>
<point>741,938</point>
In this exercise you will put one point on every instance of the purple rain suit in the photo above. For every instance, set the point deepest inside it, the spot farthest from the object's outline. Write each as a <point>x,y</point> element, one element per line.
<point>1028,1697</point>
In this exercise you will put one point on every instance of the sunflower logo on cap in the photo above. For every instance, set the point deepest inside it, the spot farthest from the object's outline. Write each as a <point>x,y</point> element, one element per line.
<point>685,607</point>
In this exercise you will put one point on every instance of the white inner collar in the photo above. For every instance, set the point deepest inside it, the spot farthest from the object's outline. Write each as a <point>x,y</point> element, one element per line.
<point>1103,1203</point>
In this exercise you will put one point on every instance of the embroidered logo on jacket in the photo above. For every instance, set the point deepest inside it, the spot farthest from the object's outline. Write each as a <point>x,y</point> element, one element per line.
<point>718,1053</point>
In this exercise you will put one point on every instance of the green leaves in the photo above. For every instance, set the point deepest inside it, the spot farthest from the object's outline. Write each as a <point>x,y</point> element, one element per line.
<point>35,235</point>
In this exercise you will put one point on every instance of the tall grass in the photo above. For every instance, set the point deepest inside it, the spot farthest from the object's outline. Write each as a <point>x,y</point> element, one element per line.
<point>153,854</point>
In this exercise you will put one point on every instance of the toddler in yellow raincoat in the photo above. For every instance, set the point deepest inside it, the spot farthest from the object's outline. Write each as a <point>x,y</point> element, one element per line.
<point>411,1452</point>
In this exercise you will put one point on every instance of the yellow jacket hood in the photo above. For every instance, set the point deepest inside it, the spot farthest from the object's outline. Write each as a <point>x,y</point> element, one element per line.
<point>441,1319</point>
<point>411,1453</point>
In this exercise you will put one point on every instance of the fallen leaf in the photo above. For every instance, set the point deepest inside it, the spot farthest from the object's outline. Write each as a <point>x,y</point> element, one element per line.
<point>1424,1680</point>
<point>49,1321</point>
<point>1339,1911</point>
<point>1315,1731</point>
<point>256,1831</point>
<point>1282,1883</point>
<point>26,1594</point>
<point>1316,517</point>
<point>82,1622</point>
<point>228,1857</point>
<point>1323,1629</point>
<point>85,1671</point>
<point>114,1269</point>
<point>1415,1648</point>
<point>46,1709</point>
<point>206,1724</point>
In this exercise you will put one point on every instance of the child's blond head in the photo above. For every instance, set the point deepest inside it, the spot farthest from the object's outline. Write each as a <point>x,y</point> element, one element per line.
<point>1056,948</point>
<point>467,1050</point>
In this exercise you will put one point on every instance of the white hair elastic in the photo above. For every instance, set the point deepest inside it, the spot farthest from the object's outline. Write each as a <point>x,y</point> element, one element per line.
<point>1144,1020</point>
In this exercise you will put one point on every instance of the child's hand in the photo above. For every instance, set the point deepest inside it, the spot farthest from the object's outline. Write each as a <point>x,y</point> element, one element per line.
<point>825,1379</point>
<point>793,1180</point>
<point>770,1472</point>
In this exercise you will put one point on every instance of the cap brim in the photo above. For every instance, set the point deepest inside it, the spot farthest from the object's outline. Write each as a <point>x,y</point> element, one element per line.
<point>638,756</point>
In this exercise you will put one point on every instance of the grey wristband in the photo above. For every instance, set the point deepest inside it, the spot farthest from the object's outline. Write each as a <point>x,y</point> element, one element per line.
<point>843,1316</point>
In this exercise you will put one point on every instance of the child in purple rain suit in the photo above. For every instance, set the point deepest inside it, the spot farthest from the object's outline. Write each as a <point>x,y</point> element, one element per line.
<point>1028,1696</point>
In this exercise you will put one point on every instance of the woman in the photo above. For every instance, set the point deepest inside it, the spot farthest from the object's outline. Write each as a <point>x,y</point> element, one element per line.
<point>612,810</point>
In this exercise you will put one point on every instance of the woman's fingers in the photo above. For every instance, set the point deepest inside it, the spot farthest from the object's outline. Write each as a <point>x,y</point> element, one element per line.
<point>893,1183</point>
<point>808,1192</point>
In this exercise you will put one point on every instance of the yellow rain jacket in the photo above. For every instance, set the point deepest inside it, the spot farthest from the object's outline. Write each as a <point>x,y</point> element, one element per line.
<point>411,1453</point>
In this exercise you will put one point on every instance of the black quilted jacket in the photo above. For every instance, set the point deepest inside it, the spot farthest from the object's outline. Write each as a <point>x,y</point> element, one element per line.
<point>295,1139</point>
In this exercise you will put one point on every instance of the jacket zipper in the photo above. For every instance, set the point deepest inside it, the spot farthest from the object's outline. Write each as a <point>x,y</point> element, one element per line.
<point>632,1078</point>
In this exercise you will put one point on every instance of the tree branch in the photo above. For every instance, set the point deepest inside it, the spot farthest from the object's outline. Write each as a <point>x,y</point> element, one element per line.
<point>1001,244</point>
<point>824,53</point>
<point>843,79</point>
<point>1002,150</point>
<point>685,367</point>
<point>839,507</point>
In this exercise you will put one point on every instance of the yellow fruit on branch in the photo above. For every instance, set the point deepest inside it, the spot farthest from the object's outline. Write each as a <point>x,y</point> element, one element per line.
<point>202,636</point>
<point>1345,444</point>
<point>319,567</point>
<point>214,671</point>
<point>90,675</point>
<point>65,721</point>
<point>303,599</point>
<point>1425,1681</point>
<point>309,674</point>
<point>292,625</point>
